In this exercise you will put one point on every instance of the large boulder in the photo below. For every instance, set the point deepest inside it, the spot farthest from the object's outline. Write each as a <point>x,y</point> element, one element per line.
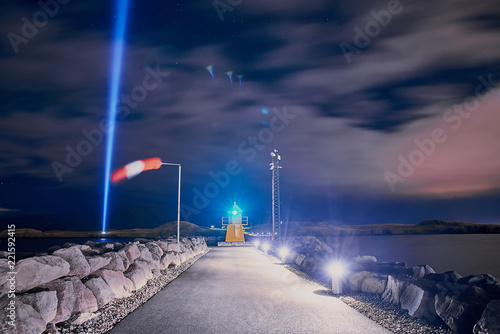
<point>173,247</point>
<point>131,252</point>
<point>78,265</point>
<point>167,260</point>
<point>119,284</point>
<point>182,257</point>
<point>155,250</point>
<point>27,319</point>
<point>139,273</point>
<point>479,279</point>
<point>44,302</point>
<point>66,298</point>
<point>374,283</point>
<point>106,247</point>
<point>421,270</point>
<point>449,279</point>
<point>4,269</point>
<point>115,263</point>
<point>418,299</point>
<point>92,243</point>
<point>490,319</point>
<point>85,300</point>
<point>100,248</point>
<point>394,289</point>
<point>145,253</point>
<point>163,245</point>
<point>87,250</point>
<point>101,291</point>
<point>312,264</point>
<point>356,280</point>
<point>188,253</point>
<point>310,246</point>
<point>485,281</point>
<point>363,263</point>
<point>176,259</point>
<point>299,259</point>
<point>365,259</point>
<point>124,256</point>
<point>97,262</point>
<point>35,271</point>
<point>461,309</point>
<point>197,245</point>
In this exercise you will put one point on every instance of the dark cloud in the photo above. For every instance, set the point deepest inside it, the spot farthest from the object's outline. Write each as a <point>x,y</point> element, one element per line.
<point>353,114</point>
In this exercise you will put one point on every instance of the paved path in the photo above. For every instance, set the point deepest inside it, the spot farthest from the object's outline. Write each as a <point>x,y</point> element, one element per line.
<point>240,290</point>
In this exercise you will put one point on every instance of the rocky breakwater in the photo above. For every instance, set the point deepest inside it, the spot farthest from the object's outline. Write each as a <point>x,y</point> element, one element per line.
<point>73,284</point>
<point>468,304</point>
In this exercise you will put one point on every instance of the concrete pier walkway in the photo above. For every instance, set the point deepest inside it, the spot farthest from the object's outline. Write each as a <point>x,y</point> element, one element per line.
<point>240,290</point>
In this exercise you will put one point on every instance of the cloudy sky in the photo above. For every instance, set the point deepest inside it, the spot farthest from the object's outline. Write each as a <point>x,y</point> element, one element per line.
<point>383,111</point>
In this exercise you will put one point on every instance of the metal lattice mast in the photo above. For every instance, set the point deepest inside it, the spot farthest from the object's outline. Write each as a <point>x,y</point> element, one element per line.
<point>275,167</point>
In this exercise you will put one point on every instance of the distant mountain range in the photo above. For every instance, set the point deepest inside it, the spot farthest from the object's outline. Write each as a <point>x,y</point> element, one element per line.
<point>425,227</point>
<point>292,228</point>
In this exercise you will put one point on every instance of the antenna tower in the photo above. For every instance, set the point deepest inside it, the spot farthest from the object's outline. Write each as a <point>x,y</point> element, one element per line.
<point>275,167</point>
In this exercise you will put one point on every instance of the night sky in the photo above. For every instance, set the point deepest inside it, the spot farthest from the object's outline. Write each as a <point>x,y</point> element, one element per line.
<point>383,111</point>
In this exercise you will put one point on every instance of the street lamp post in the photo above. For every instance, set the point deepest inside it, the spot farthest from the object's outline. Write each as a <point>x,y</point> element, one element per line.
<point>178,200</point>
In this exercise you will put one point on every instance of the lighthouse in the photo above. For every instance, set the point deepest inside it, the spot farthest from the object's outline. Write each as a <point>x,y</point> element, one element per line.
<point>235,222</point>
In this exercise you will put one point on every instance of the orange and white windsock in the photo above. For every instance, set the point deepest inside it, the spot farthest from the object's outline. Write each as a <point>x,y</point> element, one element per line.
<point>134,168</point>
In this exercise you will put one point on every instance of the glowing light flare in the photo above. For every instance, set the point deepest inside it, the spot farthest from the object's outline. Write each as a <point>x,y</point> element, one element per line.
<point>230,75</point>
<point>256,243</point>
<point>337,269</point>
<point>235,212</point>
<point>239,76</point>
<point>265,247</point>
<point>115,76</point>
<point>210,69</point>
<point>284,251</point>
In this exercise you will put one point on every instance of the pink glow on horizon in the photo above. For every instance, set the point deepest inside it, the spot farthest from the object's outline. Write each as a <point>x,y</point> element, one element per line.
<point>466,163</point>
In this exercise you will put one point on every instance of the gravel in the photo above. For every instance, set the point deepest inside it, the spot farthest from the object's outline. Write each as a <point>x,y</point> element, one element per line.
<point>118,309</point>
<point>372,306</point>
<point>390,316</point>
<point>385,314</point>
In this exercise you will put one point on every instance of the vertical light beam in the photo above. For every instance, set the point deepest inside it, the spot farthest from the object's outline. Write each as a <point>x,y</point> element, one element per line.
<point>114,84</point>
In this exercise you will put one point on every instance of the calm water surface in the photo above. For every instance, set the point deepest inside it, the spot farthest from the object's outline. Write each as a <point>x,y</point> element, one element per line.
<point>467,254</point>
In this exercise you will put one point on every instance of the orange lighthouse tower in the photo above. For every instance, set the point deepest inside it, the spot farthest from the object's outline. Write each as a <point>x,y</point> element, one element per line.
<point>235,222</point>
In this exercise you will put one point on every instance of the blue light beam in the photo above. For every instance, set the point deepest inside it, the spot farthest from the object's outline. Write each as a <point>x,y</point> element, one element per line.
<point>114,83</point>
